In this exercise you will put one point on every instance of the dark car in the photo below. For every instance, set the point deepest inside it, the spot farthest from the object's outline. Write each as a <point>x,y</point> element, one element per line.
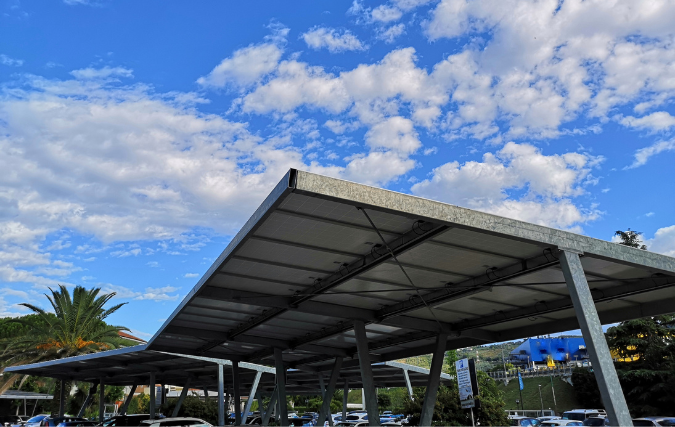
<point>596,421</point>
<point>525,421</point>
<point>36,420</point>
<point>127,420</point>
<point>55,421</point>
<point>77,424</point>
<point>654,421</point>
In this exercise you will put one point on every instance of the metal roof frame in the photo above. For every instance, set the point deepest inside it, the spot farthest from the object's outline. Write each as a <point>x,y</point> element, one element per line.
<point>250,311</point>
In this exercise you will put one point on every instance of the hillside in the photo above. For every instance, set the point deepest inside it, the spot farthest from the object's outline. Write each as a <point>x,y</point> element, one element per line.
<point>486,356</point>
<point>564,394</point>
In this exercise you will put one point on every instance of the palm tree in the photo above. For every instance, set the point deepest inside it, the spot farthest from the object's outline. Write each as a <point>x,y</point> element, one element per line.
<point>76,327</point>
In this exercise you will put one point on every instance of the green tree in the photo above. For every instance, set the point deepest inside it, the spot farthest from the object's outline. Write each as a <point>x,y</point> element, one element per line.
<point>76,327</point>
<point>630,238</point>
<point>647,373</point>
<point>448,410</point>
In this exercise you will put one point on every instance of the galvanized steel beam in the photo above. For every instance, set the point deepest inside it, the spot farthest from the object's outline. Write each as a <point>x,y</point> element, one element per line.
<point>591,328</point>
<point>101,400</point>
<point>152,395</point>
<point>125,406</point>
<point>221,395</point>
<point>434,380</point>
<point>181,398</point>
<point>236,385</point>
<point>366,373</point>
<point>328,393</point>
<point>281,385</point>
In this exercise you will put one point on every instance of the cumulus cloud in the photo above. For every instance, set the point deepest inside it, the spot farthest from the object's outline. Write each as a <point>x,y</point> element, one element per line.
<point>248,65</point>
<point>390,34</point>
<point>644,154</point>
<point>331,39</point>
<point>385,13</point>
<point>658,121</point>
<point>663,241</point>
<point>121,163</point>
<point>519,182</point>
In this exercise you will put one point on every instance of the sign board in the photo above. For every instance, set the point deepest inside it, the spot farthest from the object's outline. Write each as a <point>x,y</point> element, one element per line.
<point>158,395</point>
<point>466,382</point>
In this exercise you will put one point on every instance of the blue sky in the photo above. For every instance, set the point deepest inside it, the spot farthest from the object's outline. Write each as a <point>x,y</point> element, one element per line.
<point>137,137</point>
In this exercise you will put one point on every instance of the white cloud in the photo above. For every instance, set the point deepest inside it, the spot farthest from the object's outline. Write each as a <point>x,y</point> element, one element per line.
<point>331,39</point>
<point>101,73</point>
<point>190,275</point>
<point>658,121</point>
<point>122,163</point>
<point>663,241</point>
<point>389,35</point>
<point>395,133</point>
<point>248,65</point>
<point>643,154</point>
<point>296,84</point>
<point>385,13</point>
<point>544,185</point>
<point>377,167</point>
<point>11,62</point>
<point>165,293</point>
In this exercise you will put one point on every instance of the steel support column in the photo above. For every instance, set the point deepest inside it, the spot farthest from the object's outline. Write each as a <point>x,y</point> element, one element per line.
<point>87,401</point>
<point>328,394</point>
<point>434,380</point>
<point>125,406</point>
<point>181,398</point>
<point>236,394</point>
<point>322,384</point>
<point>62,398</point>
<point>366,373</point>
<point>152,395</point>
<point>221,396</point>
<point>206,394</point>
<point>407,383</point>
<point>591,329</point>
<point>260,404</point>
<point>345,400</point>
<point>270,406</point>
<point>281,386</point>
<point>251,394</point>
<point>101,400</point>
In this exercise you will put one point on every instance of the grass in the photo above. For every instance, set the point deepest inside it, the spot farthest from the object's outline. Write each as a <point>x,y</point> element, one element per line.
<point>564,394</point>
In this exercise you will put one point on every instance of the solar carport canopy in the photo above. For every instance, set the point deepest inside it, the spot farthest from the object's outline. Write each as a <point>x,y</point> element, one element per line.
<point>321,253</point>
<point>131,365</point>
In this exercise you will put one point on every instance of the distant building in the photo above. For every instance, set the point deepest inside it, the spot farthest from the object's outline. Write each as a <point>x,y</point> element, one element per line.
<point>130,337</point>
<point>548,351</point>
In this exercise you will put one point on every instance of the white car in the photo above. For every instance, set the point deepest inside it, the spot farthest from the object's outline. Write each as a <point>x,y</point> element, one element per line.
<point>554,423</point>
<point>176,422</point>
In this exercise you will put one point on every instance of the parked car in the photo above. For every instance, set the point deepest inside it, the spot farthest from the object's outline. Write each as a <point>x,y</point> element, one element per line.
<point>13,420</point>
<point>77,424</point>
<point>524,421</point>
<point>559,422</point>
<point>55,421</point>
<point>176,422</point>
<point>582,414</point>
<point>127,420</point>
<point>596,421</point>
<point>659,421</point>
<point>348,424</point>
<point>548,418</point>
<point>36,420</point>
